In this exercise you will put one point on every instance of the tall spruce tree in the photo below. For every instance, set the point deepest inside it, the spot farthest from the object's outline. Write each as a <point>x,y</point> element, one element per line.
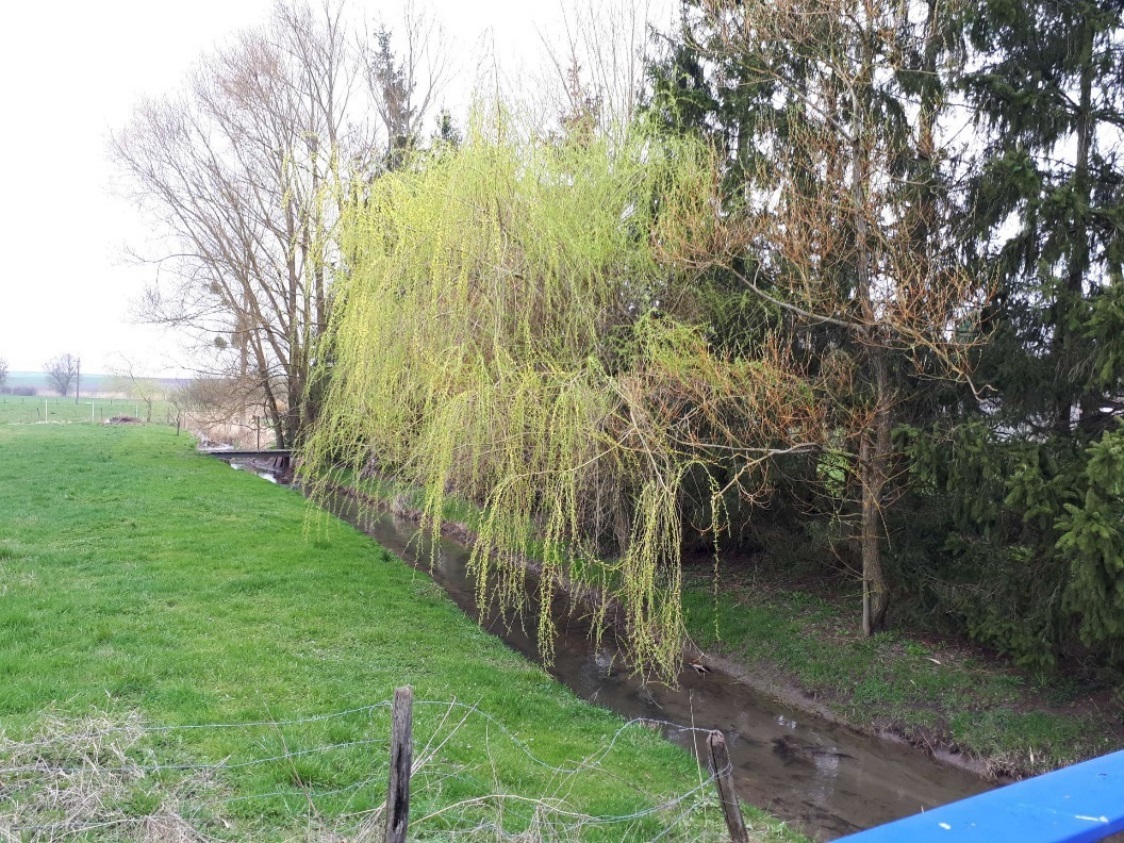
<point>1033,485</point>
<point>1048,98</point>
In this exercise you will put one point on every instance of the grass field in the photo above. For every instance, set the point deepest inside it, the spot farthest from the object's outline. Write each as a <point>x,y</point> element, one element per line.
<point>180,656</point>
<point>20,409</point>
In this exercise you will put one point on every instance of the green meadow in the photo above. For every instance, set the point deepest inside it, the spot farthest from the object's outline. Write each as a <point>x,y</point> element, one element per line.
<point>34,409</point>
<point>181,647</point>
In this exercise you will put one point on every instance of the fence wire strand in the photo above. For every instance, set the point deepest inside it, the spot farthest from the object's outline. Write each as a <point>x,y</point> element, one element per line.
<point>100,778</point>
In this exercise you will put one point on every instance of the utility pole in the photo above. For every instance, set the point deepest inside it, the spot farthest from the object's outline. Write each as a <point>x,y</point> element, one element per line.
<point>78,385</point>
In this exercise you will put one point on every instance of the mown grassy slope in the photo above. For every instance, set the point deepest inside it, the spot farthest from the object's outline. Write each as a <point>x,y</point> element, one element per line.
<point>139,579</point>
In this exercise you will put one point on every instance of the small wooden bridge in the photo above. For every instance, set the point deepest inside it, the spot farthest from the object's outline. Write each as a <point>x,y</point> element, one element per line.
<point>280,457</point>
<point>237,454</point>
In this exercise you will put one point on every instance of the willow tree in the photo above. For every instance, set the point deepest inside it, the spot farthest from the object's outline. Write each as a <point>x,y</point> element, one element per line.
<point>515,328</point>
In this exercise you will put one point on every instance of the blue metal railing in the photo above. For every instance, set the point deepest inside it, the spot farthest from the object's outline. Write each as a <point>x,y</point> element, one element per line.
<point>1076,804</point>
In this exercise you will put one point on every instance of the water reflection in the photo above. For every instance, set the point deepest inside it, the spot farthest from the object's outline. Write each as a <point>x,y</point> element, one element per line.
<point>265,474</point>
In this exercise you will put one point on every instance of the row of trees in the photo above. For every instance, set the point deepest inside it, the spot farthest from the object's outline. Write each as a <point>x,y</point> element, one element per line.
<point>850,273</point>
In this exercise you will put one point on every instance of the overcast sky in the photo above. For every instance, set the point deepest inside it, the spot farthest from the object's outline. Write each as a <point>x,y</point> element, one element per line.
<point>70,73</point>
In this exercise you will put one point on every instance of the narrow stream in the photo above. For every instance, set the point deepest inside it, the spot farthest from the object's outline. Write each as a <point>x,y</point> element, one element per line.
<point>821,778</point>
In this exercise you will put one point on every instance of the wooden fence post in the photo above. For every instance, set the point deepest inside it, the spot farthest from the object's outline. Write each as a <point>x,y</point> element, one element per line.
<point>401,757</point>
<point>724,776</point>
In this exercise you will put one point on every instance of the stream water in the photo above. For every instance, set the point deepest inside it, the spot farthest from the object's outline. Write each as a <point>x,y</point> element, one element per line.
<point>823,779</point>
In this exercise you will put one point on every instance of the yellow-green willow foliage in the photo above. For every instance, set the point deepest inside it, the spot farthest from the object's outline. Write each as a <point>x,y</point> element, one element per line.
<point>511,330</point>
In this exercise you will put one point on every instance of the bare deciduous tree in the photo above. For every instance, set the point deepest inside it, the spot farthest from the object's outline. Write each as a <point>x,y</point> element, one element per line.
<point>61,372</point>
<point>244,172</point>
<point>3,372</point>
<point>130,378</point>
<point>600,62</point>
<point>403,82</point>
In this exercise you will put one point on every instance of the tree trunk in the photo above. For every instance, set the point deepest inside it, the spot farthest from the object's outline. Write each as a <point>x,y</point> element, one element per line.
<point>1067,345</point>
<point>874,459</point>
<point>874,450</point>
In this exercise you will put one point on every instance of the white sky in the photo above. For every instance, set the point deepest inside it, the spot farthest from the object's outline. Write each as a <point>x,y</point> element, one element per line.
<point>70,73</point>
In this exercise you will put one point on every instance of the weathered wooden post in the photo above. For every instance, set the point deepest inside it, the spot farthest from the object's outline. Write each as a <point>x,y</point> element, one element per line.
<point>401,757</point>
<point>724,776</point>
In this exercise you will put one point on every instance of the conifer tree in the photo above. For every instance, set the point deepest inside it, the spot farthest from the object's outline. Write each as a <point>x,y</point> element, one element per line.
<point>1036,506</point>
<point>828,116</point>
<point>1048,98</point>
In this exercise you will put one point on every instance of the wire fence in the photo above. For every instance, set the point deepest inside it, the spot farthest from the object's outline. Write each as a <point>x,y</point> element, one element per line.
<point>117,778</point>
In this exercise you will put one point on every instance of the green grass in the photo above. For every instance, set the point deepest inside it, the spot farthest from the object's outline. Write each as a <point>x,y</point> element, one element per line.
<point>933,693</point>
<point>21,409</point>
<point>141,582</point>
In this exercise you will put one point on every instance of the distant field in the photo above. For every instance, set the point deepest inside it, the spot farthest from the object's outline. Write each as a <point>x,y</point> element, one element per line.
<point>92,383</point>
<point>18,409</point>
